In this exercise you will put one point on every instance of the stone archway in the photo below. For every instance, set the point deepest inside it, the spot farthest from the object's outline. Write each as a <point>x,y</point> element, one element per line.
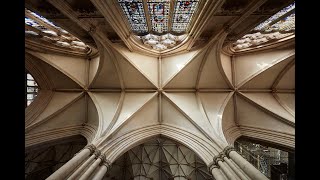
<point>159,158</point>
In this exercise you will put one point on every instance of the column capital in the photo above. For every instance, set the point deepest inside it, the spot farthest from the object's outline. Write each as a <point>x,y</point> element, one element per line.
<point>227,150</point>
<point>105,162</point>
<point>102,157</point>
<point>212,165</point>
<point>91,147</point>
<point>97,153</point>
<point>216,159</point>
<point>222,155</point>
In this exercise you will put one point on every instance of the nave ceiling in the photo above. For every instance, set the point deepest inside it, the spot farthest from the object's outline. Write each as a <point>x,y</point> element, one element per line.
<point>204,93</point>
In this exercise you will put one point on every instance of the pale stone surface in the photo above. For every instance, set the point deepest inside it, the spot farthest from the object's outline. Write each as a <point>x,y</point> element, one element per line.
<point>197,107</point>
<point>247,167</point>
<point>63,172</point>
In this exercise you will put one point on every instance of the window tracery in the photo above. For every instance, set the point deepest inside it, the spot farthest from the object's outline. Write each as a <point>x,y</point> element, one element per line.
<point>183,12</point>
<point>134,12</point>
<point>32,89</point>
<point>164,21</point>
<point>159,13</point>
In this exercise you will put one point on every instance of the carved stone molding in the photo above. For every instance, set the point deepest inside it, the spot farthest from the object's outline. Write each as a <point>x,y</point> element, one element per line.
<point>227,150</point>
<point>212,165</point>
<point>107,163</point>
<point>222,155</point>
<point>216,159</point>
<point>92,148</point>
<point>97,153</point>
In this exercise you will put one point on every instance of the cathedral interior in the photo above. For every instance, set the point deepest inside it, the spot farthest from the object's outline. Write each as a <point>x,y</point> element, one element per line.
<point>159,89</point>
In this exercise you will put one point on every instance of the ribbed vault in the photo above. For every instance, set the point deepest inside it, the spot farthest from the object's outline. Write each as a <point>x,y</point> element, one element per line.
<point>202,98</point>
<point>212,95</point>
<point>159,158</point>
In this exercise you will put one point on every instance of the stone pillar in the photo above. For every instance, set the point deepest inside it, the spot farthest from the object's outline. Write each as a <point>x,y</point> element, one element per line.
<point>105,167</point>
<point>214,169</point>
<point>83,166</point>
<point>68,167</point>
<point>235,169</point>
<point>218,160</point>
<point>93,167</point>
<point>247,167</point>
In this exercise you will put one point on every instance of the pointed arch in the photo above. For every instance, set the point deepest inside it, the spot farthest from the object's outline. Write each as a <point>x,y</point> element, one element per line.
<point>203,147</point>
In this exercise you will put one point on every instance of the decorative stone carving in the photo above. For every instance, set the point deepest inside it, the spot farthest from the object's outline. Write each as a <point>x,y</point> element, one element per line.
<point>222,155</point>
<point>212,165</point>
<point>92,148</point>
<point>106,163</point>
<point>97,154</point>
<point>227,150</point>
<point>216,159</point>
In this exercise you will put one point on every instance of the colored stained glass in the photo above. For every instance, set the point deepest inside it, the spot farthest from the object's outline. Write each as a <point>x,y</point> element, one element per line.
<point>183,12</point>
<point>133,9</point>
<point>284,25</point>
<point>159,13</point>
<point>274,17</point>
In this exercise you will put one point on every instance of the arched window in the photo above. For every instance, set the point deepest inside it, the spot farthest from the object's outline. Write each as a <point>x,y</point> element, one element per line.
<point>32,89</point>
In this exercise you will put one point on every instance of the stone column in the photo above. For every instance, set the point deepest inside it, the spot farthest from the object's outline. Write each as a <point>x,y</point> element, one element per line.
<point>235,169</point>
<point>84,165</point>
<point>218,160</point>
<point>90,170</point>
<point>105,167</point>
<point>68,167</point>
<point>214,169</point>
<point>232,170</point>
<point>247,167</point>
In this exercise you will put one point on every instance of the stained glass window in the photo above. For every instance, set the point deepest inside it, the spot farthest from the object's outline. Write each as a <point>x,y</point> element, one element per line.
<point>31,89</point>
<point>285,10</point>
<point>278,26</point>
<point>133,9</point>
<point>159,13</point>
<point>150,20</point>
<point>38,26</point>
<point>286,24</point>
<point>183,11</point>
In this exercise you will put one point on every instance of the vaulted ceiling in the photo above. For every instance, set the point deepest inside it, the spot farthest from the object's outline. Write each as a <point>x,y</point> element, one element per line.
<point>203,90</point>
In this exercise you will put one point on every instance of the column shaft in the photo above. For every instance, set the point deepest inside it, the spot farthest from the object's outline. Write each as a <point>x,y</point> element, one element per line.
<point>250,170</point>
<point>217,174</point>
<point>226,171</point>
<point>81,168</point>
<point>90,170</point>
<point>101,172</point>
<point>68,167</point>
<point>235,169</point>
